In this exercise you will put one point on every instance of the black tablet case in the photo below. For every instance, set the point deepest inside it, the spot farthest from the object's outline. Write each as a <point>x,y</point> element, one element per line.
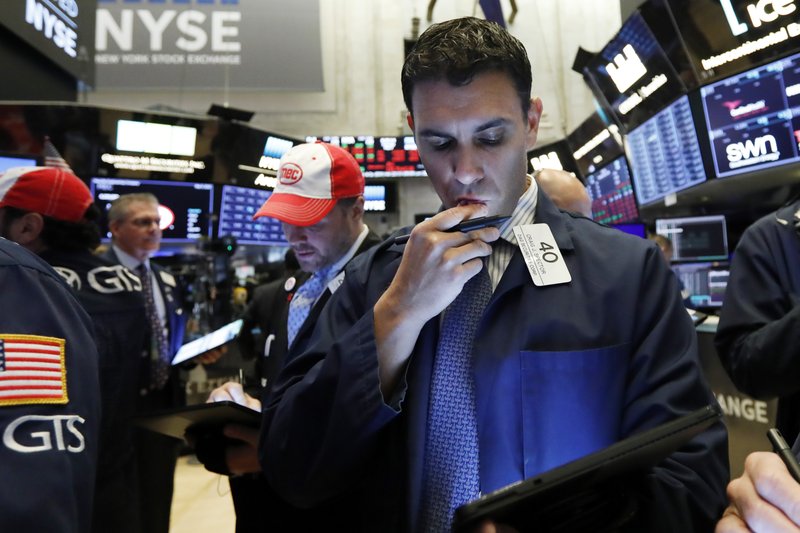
<point>593,493</point>
<point>198,418</point>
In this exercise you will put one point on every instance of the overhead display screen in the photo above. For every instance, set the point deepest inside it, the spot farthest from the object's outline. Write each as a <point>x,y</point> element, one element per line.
<point>555,155</point>
<point>381,157</point>
<point>62,30</point>
<point>594,144</point>
<point>612,193</point>
<point>665,154</point>
<point>633,74</point>
<point>236,211</point>
<point>753,118</point>
<point>723,37</point>
<point>185,208</point>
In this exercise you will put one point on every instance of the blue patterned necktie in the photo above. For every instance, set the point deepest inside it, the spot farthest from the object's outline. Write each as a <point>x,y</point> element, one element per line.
<point>303,300</point>
<point>159,349</point>
<point>451,446</point>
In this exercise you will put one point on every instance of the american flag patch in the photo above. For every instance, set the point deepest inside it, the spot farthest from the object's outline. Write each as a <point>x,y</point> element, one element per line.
<point>32,370</point>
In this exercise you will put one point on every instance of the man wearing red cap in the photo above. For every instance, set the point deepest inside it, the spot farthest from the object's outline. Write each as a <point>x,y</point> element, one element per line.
<point>50,212</point>
<point>319,199</point>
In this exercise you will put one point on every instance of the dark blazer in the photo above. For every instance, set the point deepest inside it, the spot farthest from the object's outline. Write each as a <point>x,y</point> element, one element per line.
<point>560,372</point>
<point>758,337</point>
<point>257,506</point>
<point>176,323</point>
<point>272,308</point>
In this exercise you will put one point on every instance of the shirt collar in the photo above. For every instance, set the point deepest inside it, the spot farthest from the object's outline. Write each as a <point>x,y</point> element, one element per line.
<point>524,212</point>
<point>338,266</point>
<point>127,260</point>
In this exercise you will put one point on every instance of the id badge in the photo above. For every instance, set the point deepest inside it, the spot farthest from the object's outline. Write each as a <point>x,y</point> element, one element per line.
<point>542,256</point>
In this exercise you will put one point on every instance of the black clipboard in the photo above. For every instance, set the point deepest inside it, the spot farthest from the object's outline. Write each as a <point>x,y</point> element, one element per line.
<point>589,494</point>
<point>199,418</point>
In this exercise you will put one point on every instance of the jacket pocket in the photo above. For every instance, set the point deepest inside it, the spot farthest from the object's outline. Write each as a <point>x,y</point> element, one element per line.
<point>571,404</point>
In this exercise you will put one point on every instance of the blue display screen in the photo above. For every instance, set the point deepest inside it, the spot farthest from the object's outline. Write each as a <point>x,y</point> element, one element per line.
<point>236,211</point>
<point>665,154</point>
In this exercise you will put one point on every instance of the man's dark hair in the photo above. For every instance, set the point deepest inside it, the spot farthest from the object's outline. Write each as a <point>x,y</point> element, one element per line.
<point>61,235</point>
<point>458,50</point>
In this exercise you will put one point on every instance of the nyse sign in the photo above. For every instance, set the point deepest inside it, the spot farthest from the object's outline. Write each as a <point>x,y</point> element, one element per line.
<point>216,34</point>
<point>208,44</point>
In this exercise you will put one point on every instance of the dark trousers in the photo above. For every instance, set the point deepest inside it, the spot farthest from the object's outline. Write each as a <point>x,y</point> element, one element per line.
<point>156,456</point>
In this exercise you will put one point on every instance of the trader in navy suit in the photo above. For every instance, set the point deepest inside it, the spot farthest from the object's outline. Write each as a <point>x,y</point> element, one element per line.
<point>134,223</point>
<point>583,341</point>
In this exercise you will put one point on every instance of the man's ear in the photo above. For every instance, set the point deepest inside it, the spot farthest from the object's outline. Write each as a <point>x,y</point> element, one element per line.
<point>534,117</point>
<point>113,227</point>
<point>358,208</point>
<point>410,121</point>
<point>26,230</point>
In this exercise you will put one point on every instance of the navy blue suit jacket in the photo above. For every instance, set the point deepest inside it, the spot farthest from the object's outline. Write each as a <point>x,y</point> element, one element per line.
<point>758,337</point>
<point>176,321</point>
<point>560,372</point>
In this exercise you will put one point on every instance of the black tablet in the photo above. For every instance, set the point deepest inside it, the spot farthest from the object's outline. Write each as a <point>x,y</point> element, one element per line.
<point>593,489</point>
<point>199,417</point>
<point>207,342</point>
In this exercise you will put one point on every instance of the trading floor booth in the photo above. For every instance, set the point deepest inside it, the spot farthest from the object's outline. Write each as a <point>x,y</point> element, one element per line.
<point>747,418</point>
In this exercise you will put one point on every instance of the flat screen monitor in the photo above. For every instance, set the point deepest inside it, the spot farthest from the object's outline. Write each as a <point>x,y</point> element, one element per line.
<point>381,157</point>
<point>702,238</point>
<point>185,207</point>
<point>632,228</point>
<point>595,143</point>
<point>665,154</point>
<point>612,193</point>
<point>633,74</point>
<point>11,161</point>
<point>753,117</point>
<point>703,283</point>
<point>237,207</point>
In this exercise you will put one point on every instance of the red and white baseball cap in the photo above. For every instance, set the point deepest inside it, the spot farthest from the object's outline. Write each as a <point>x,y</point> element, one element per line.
<point>49,191</point>
<point>311,178</point>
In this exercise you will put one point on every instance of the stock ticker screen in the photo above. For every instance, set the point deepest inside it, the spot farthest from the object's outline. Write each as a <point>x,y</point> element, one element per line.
<point>236,211</point>
<point>753,118</point>
<point>665,154</point>
<point>381,157</point>
<point>611,192</point>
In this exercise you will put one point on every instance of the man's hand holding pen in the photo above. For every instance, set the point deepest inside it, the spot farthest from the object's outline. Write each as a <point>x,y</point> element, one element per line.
<point>437,263</point>
<point>435,266</point>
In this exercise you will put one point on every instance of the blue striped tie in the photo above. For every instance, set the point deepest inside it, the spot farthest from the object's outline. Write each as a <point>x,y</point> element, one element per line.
<point>451,447</point>
<point>303,300</point>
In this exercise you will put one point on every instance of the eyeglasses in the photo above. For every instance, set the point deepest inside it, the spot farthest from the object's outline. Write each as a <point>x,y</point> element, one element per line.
<point>145,222</point>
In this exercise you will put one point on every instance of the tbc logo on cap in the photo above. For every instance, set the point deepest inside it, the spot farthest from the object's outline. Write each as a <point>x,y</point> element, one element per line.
<point>291,173</point>
<point>312,177</point>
